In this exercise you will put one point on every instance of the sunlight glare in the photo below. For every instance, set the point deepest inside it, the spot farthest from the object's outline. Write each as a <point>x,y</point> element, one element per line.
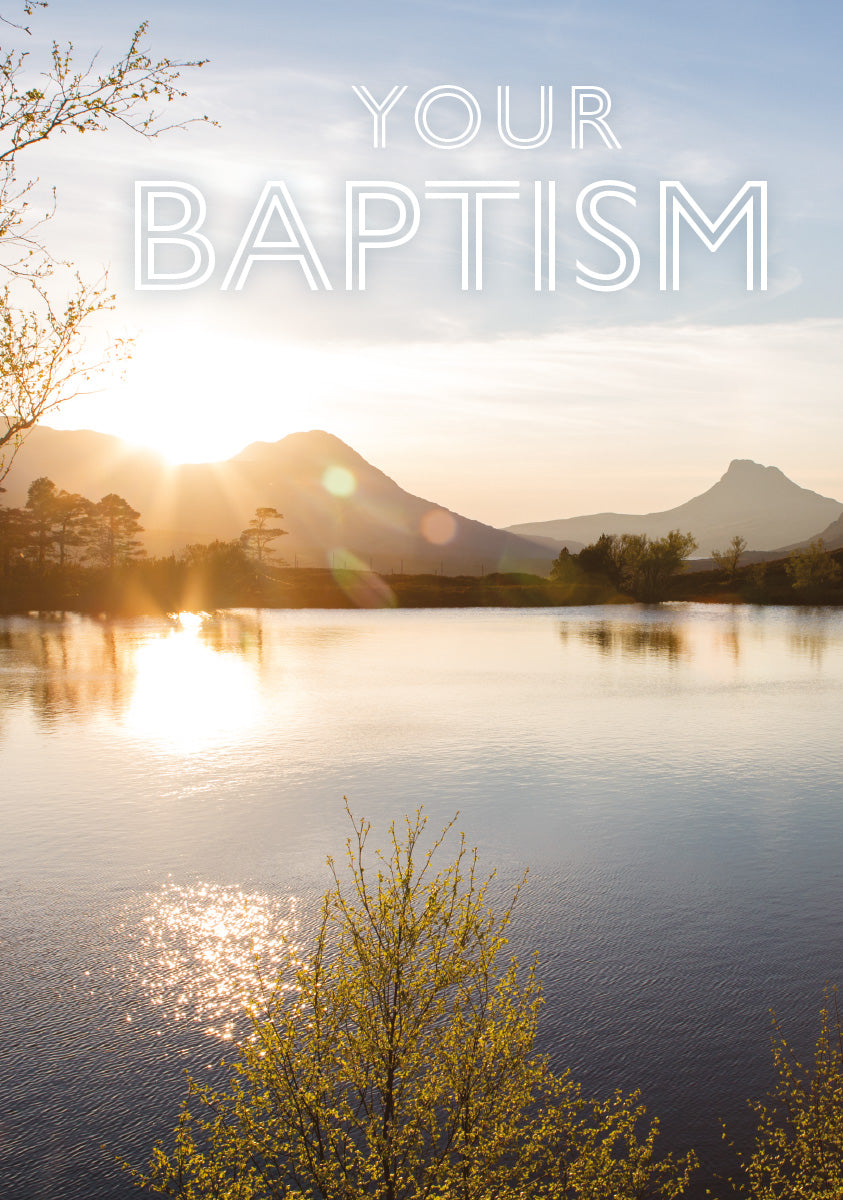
<point>185,386</point>
<point>190,620</point>
<point>188,695</point>
<point>203,951</point>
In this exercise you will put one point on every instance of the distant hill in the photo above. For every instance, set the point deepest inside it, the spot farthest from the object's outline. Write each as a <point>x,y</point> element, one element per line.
<point>759,503</point>
<point>337,507</point>
<point>832,537</point>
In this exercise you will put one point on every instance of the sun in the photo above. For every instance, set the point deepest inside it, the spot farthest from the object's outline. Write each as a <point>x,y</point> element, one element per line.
<point>187,399</point>
<point>197,394</point>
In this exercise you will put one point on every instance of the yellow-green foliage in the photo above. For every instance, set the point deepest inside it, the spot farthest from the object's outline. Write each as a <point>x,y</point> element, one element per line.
<point>798,1152</point>
<point>402,1065</point>
<point>813,568</point>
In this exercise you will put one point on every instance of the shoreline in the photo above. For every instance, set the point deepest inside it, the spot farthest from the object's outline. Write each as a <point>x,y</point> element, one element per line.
<point>161,586</point>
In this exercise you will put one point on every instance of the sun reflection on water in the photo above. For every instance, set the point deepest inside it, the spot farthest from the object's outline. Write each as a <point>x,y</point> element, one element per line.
<point>187,693</point>
<point>203,953</point>
<point>190,620</point>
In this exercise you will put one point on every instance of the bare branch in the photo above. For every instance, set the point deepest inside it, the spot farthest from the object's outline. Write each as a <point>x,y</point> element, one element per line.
<point>40,366</point>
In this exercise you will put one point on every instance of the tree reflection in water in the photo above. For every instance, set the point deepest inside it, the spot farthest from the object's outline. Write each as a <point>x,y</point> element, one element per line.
<point>634,639</point>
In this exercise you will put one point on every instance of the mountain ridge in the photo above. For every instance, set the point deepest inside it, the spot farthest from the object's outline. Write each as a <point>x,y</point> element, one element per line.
<point>749,500</point>
<point>342,510</point>
<point>339,509</point>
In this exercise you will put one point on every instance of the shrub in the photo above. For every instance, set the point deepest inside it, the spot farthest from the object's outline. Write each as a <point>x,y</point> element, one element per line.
<point>402,1064</point>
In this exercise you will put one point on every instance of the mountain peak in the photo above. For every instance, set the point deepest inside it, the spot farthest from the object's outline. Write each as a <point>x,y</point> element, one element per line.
<point>743,464</point>
<point>756,502</point>
<point>309,441</point>
<point>744,475</point>
<point>747,468</point>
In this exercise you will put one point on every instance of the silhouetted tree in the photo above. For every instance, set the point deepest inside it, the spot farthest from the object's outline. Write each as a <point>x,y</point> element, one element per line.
<point>636,564</point>
<point>12,536</point>
<point>614,556</point>
<point>73,522</point>
<point>221,555</point>
<point>40,515</point>
<point>560,568</point>
<point>600,558</point>
<point>115,527</point>
<point>657,563</point>
<point>727,560</point>
<point>217,572</point>
<point>52,523</point>
<point>260,533</point>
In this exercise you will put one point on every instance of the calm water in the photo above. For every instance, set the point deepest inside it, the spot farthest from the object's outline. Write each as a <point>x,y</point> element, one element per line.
<point>671,778</point>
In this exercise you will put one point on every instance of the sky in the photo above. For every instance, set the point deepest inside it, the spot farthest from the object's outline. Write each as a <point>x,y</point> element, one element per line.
<point>505,404</point>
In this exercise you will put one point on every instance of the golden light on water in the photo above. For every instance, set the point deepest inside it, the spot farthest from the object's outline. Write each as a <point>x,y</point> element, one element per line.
<point>190,620</point>
<point>202,952</point>
<point>188,694</point>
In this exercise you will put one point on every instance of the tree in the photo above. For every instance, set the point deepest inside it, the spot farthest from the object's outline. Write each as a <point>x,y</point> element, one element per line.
<point>813,569</point>
<point>799,1135</point>
<point>397,1061</point>
<point>260,533</point>
<point>756,578</point>
<point>115,529</point>
<point>217,573</point>
<point>560,568</point>
<point>636,564</point>
<point>40,334</point>
<point>653,567</point>
<point>218,558</point>
<point>40,513</point>
<point>727,560</point>
<point>613,555</point>
<point>12,535</point>
<point>53,522</point>
<point>74,516</point>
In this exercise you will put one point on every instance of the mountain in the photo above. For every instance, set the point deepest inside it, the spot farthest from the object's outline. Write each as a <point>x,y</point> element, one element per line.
<point>338,508</point>
<point>832,536</point>
<point>759,503</point>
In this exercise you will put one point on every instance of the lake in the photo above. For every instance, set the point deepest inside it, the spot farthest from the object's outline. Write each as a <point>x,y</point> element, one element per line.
<point>670,779</point>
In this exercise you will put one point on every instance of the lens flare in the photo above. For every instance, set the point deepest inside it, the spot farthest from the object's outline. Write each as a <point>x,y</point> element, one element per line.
<point>339,481</point>
<point>362,586</point>
<point>438,526</point>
